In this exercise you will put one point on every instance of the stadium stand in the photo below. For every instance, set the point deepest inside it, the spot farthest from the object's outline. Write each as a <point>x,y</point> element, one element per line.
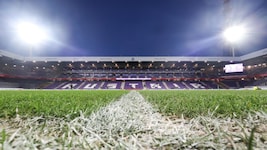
<point>131,72</point>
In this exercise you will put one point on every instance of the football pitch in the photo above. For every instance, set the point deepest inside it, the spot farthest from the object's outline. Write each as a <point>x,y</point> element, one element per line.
<point>121,119</point>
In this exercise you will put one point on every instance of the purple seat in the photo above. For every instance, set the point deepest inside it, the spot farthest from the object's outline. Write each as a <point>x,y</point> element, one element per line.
<point>111,85</point>
<point>154,85</point>
<point>133,85</point>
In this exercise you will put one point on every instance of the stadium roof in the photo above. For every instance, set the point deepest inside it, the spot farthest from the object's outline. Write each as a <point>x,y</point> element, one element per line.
<point>252,55</point>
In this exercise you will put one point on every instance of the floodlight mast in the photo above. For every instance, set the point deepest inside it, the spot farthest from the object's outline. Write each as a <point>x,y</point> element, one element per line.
<point>233,50</point>
<point>31,34</point>
<point>227,10</point>
<point>233,33</point>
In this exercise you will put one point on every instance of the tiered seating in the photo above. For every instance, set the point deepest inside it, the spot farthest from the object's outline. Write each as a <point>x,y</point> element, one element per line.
<point>154,85</point>
<point>133,85</point>
<point>54,85</point>
<point>231,84</point>
<point>243,84</point>
<point>210,84</point>
<point>112,85</point>
<point>70,85</point>
<point>90,85</point>
<point>175,85</point>
<point>194,85</point>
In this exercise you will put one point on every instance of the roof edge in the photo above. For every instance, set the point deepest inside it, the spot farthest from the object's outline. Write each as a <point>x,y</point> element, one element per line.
<point>135,58</point>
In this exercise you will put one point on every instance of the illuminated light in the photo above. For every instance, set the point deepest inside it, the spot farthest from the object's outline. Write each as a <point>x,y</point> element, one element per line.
<point>37,67</point>
<point>22,66</point>
<point>31,33</point>
<point>14,66</point>
<point>248,67</point>
<point>43,67</point>
<point>235,33</point>
<point>52,66</point>
<point>5,64</point>
<point>58,64</point>
<point>34,61</point>
<point>45,61</point>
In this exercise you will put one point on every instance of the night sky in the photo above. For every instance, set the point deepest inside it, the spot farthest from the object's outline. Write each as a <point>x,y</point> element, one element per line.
<point>132,27</point>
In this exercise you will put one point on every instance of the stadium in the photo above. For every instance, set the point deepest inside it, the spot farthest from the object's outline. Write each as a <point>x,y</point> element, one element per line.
<point>138,73</point>
<point>132,101</point>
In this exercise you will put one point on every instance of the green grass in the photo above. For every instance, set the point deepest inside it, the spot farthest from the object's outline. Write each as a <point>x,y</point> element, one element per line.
<point>54,103</point>
<point>192,103</point>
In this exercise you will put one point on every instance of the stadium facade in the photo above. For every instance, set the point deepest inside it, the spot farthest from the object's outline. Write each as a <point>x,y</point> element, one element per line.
<point>132,72</point>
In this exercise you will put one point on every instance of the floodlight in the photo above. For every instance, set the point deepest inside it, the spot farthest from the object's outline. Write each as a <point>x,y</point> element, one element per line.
<point>234,34</point>
<point>31,33</point>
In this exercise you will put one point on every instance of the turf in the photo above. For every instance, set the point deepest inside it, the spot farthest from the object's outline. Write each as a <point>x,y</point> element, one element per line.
<point>54,103</point>
<point>190,103</point>
<point>193,103</point>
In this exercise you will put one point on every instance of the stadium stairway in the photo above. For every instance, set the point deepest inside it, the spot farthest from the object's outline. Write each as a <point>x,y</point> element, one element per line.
<point>122,85</point>
<point>44,85</point>
<point>206,85</point>
<point>186,85</point>
<point>164,83</point>
<point>237,84</point>
<point>60,85</point>
<point>101,85</point>
<point>81,85</point>
<point>144,84</point>
<point>222,85</point>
